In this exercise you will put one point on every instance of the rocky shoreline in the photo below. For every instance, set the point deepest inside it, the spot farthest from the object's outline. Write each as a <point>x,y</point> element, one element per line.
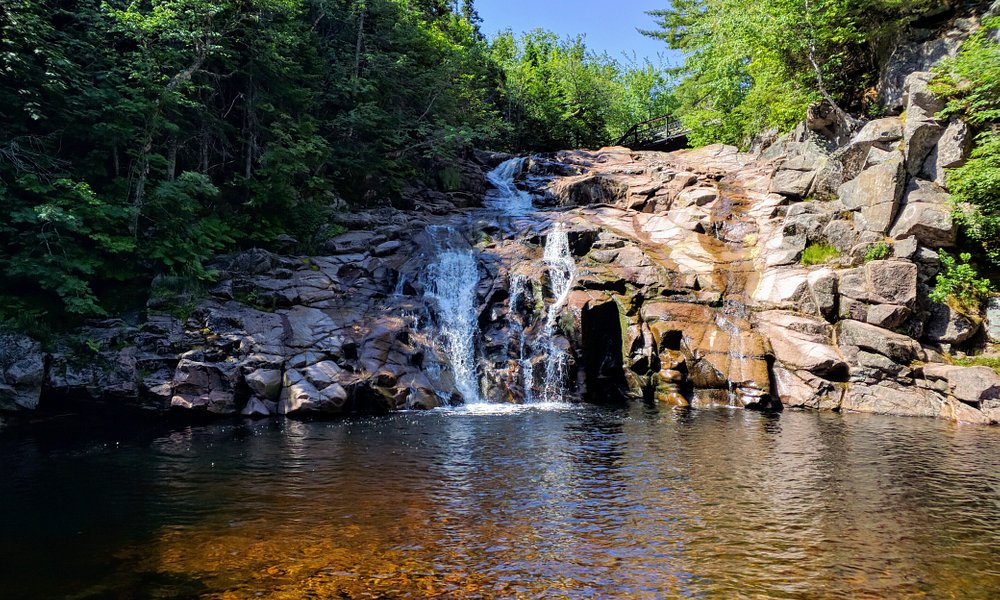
<point>688,290</point>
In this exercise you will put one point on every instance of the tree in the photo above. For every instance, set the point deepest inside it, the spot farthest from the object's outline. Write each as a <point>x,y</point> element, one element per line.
<point>752,65</point>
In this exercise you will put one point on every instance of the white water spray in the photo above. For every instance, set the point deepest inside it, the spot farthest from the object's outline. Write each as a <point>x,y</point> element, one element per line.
<point>507,197</point>
<point>453,279</point>
<point>561,269</point>
<point>519,295</point>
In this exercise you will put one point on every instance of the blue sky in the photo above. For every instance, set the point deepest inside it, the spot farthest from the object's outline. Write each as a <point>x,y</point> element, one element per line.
<point>608,25</point>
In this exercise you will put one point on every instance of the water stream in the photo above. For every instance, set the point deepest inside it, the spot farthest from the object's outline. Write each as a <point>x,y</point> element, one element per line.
<point>731,226</point>
<point>451,283</point>
<point>452,279</point>
<point>561,270</point>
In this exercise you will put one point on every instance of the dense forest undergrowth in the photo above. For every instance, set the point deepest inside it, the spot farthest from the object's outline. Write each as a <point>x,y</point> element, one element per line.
<point>142,138</point>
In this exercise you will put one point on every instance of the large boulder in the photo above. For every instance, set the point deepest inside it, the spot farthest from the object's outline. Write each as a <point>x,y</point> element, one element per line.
<point>22,372</point>
<point>806,219</point>
<point>881,282</point>
<point>205,387</point>
<point>972,385</point>
<point>802,343</point>
<point>882,134</point>
<point>993,319</point>
<point>921,129</point>
<point>951,151</point>
<point>888,399</point>
<point>315,389</point>
<point>948,326</point>
<point>876,192</point>
<point>795,176</point>
<point>853,336</point>
<point>926,215</point>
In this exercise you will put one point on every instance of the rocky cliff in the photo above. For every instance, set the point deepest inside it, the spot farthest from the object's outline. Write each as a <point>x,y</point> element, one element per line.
<point>603,276</point>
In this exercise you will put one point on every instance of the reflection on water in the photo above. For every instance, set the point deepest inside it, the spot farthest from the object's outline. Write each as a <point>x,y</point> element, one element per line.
<point>566,503</point>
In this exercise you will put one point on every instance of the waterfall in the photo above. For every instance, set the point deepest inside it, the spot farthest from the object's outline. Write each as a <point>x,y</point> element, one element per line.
<point>561,269</point>
<point>452,279</point>
<point>507,198</point>
<point>518,296</point>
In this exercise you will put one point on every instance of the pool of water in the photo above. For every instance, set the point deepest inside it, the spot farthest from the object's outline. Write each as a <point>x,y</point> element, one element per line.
<point>565,502</point>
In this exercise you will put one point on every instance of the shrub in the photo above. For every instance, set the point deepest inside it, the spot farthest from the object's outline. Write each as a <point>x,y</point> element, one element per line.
<point>878,251</point>
<point>817,254</point>
<point>959,283</point>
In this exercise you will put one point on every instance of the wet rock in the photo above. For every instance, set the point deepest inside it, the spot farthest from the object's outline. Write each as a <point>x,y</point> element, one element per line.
<point>972,385</point>
<point>258,408</point>
<point>948,326</point>
<point>203,386</point>
<point>699,196</point>
<point>22,372</point>
<point>351,242</point>
<point>887,399</point>
<point>387,248</point>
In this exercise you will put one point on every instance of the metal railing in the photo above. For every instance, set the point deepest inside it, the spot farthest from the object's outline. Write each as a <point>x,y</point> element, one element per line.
<point>655,131</point>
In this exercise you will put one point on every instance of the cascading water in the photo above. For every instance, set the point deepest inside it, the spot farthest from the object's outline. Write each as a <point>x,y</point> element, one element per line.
<point>731,228</point>
<point>561,269</point>
<point>452,280</point>
<point>519,296</point>
<point>507,198</point>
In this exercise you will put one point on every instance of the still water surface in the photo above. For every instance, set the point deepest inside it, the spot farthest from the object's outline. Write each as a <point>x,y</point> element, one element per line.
<point>560,503</point>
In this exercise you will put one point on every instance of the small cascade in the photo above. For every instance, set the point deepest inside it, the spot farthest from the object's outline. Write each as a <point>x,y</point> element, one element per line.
<point>561,269</point>
<point>452,279</point>
<point>507,198</point>
<point>731,228</point>
<point>518,297</point>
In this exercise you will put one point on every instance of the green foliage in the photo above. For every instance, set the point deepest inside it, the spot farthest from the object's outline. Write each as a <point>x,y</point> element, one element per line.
<point>818,254</point>
<point>141,138</point>
<point>751,65</point>
<point>555,93</point>
<point>992,362</point>
<point>970,82</point>
<point>959,283</point>
<point>62,237</point>
<point>878,251</point>
<point>184,232</point>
